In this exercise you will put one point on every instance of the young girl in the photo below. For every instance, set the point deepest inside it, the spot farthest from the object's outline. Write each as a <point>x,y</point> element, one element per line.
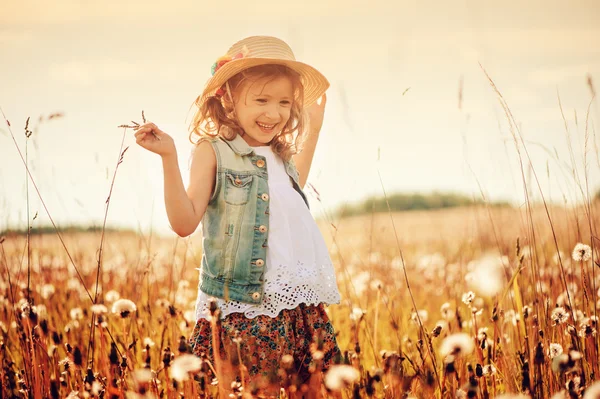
<point>264,259</point>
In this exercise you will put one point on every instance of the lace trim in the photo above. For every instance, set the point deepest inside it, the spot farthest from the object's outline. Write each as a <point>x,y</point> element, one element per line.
<point>284,289</point>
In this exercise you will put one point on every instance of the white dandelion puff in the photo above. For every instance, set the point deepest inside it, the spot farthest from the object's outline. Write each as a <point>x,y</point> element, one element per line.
<point>47,291</point>
<point>559,315</point>
<point>468,298</point>
<point>554,350</point>
<point>148,342</point>
<point>124,307</point>
<point>99,308</point>
<point>183,365</point>
<point>423,315</point>
<point>357,314</point>
<point>112,296</point>
<point>341,376</point>
<point>489,370</point>
<point>456,345</point>
<point>582,253</point>
<point>76,314</point>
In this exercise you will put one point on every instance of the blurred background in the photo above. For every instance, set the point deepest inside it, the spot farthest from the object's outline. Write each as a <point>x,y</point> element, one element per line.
<point>409,98</point>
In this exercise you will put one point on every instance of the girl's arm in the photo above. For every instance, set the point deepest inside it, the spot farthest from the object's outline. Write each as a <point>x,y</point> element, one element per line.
<point>303,159</point>
<point>184,209</point>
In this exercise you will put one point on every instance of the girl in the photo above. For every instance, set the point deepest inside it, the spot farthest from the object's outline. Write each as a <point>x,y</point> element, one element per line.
<point>265,265</point>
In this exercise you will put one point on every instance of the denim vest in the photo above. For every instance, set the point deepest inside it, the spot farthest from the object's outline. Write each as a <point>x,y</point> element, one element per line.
<point>235,226</point>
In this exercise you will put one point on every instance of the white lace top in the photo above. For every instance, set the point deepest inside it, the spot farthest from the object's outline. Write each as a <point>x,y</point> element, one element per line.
<point>298,268</point>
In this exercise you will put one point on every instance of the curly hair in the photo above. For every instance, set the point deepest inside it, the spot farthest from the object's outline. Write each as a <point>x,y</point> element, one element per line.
<point>215,117</point>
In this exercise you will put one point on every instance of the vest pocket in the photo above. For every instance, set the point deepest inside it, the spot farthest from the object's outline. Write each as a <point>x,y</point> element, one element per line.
<point>237,188</point>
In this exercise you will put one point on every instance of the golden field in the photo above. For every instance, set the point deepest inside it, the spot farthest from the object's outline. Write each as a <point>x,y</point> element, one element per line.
<point>463,302</point>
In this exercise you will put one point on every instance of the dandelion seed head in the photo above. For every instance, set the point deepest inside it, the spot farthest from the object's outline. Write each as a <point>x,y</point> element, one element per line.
<point>123,307</point>
<point>468,298</point>
<point>486,276</point>
<point>554,350</point>
<point>423,315</point>
<point>99,308</point>
<point>47,291</point>
<point>456,345</point>
<point>341,376</point>
<point>76,314</point>
<point>582,253</point>
<point>112,296</point>
<point>142,376</point>
<point>357,314</point>
<point>183,365</point>
<point>489,370</point>
<point>559,315</point>
<point>148,342</point>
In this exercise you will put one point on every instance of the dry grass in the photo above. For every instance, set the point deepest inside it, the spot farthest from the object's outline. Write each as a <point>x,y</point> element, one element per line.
<point>46,348</point>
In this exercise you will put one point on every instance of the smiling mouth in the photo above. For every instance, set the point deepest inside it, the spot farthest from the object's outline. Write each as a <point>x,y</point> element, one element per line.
<point>266,127</point>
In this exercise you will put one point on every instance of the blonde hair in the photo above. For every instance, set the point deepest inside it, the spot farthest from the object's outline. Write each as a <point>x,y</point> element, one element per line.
<point>215,117</point>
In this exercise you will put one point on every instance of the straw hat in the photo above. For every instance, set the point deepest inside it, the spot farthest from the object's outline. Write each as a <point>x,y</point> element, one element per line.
<point>261,50</point>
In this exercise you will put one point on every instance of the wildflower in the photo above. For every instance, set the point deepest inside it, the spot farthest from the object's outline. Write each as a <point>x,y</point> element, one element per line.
<point>148,342</point>
<point>341,376</point>
<point>554,350</point>
<point>124,307</point>
<point>76,314</point>
<point>112,296</point>
<point>582,253</point>
<point>489,370</point>
<point>47,291</point>
<point>456,345</point>
<point>482,334</point>
<point>446,311</point>
<point>183,365</point>
<point>190,316</point>
<point>99,308</point>
<point>287,361</point>
<point>468,298</point>
<point>486,277</point>
<point>142,375</point>
<point>357,314</point>
<point>422,314</point>
<point>559,315</point>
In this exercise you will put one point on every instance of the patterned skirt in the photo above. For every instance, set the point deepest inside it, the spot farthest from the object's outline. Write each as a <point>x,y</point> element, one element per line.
<point>270,352</point>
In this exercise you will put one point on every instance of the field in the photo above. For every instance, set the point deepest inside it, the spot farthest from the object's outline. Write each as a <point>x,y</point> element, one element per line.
<point>463,302</point>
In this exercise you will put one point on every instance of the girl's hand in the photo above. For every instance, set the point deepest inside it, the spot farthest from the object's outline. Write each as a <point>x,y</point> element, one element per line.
<point>150,137</point>
<point>316,112</point>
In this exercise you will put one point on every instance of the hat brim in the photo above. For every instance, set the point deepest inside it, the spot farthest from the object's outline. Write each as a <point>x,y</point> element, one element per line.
<point>315,84</point>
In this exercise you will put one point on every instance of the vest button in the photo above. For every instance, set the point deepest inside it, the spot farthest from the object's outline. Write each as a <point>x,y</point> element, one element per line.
<point>260,163</point>
<point>260,262</point>
<point>265,197</point>
<point>256,296</point>
<point>238,181</point>
<point>262,228</point>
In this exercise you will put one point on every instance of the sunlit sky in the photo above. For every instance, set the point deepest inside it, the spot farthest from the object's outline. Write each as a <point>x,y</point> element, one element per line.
<point>396,70</point>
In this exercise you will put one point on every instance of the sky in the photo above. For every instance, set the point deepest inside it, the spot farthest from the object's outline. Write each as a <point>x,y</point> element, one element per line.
<point>410,108</point>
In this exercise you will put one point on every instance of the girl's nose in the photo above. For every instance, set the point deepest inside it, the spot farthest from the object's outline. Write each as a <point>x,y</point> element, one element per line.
<point>272,111</point>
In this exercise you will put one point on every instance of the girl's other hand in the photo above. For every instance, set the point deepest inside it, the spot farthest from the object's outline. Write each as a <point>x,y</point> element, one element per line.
<point>150,137</point>
<point>316,112</point>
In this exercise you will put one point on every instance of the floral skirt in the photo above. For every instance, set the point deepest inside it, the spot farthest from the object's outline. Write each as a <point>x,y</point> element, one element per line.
<point>283,350</point>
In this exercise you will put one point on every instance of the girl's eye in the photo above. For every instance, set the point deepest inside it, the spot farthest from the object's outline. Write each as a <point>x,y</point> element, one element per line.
<point>261,100</point>
<point>285,102</point>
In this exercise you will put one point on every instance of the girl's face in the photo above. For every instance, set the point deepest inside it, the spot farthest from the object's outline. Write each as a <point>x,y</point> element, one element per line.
<point>263,108</point>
